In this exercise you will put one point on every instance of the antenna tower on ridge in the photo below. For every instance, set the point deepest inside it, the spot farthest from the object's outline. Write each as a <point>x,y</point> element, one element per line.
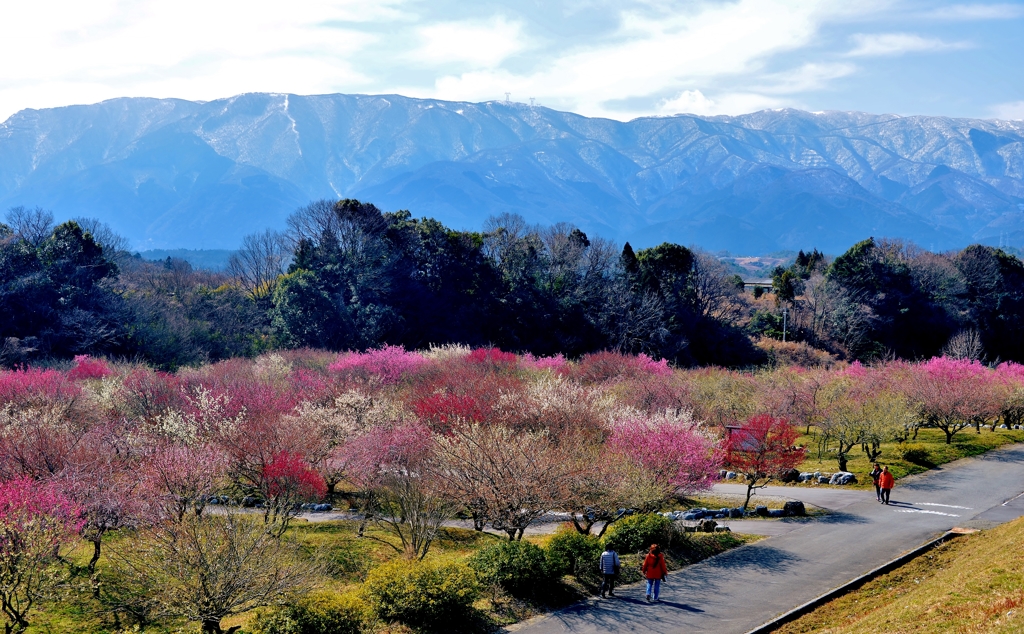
<point>507,95</point>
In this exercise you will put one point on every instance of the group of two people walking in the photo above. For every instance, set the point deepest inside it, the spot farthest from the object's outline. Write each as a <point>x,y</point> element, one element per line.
<point>884,481</point>
<point>654,570</point>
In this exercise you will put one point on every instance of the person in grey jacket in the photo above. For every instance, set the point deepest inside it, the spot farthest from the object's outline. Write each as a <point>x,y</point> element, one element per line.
<point>609,571</point>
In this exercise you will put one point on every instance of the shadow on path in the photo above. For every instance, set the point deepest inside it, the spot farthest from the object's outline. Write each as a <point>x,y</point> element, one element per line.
<point>760,556</point>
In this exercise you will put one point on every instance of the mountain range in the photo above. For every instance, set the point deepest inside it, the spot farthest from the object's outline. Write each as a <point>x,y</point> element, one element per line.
<point>169,173</point>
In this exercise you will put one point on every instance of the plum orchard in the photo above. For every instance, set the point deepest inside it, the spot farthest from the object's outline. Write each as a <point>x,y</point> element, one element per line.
<point>201,472</point>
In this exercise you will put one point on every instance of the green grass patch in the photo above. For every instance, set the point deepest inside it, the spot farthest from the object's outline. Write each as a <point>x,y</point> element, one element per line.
<point>926,452</point>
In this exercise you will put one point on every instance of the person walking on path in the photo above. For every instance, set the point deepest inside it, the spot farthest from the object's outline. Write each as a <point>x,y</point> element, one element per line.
<point>886,482</point>
<point>875,474</point>
<point>655,571</point>
<point>609,571</point>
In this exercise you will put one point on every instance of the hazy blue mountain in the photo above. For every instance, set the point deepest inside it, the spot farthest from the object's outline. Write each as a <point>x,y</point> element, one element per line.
<point>177,174</point>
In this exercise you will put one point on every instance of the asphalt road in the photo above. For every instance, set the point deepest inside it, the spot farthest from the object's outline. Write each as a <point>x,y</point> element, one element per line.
<point>745,587</point>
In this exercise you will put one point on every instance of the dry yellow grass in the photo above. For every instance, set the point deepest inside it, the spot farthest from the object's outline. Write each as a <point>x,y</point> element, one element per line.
<point>972,584</point>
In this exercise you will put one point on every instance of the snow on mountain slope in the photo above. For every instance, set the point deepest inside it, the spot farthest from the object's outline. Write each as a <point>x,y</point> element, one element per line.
<point>173,173</point>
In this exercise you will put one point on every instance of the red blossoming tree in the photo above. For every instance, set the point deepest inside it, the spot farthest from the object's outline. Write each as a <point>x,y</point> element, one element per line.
<point>761,450</point>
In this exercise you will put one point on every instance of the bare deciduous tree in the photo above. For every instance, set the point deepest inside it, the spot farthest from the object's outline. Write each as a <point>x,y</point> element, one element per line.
<point>31,225</point>
<point>205,568</point>
<point>514,477</point>
<point>259,262</point>
<point>965,344</point>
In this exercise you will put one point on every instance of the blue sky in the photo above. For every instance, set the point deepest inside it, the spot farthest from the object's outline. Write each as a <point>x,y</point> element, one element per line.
<point>617,59</point>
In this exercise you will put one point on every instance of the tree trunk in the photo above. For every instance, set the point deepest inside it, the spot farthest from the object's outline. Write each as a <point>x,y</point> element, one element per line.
<point>842,462</point>
<point>96,545</point>
<point>949,436</point>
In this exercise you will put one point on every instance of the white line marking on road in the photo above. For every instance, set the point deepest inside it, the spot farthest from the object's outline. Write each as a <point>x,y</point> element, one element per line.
<point>924,511</point>
<point>1011,499</point>
<point>948,506</point>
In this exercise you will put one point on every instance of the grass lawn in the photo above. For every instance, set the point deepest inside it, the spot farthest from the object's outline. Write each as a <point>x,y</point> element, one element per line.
<point>914,456</point>
<point>973,583</point>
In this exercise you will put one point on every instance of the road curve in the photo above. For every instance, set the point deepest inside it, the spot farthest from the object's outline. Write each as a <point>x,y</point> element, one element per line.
<point>742,588</point>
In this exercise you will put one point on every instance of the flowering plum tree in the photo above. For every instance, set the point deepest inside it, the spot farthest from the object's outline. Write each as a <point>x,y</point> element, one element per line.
<point>954,394</point>
<point>392,464</point>
<point>680,456</point>
<point>35,521</point>
<point>389,365</point>
<point>762,449</point>
<point>286,481</point>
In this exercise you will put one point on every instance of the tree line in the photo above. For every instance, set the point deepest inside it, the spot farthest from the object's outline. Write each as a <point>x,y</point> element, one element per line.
<point>345,275</point>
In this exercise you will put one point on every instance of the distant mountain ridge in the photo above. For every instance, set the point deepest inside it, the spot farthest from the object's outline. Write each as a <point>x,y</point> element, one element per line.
<point>170,173</point>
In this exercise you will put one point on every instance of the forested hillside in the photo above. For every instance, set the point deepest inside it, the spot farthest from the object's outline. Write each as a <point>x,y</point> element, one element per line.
<point>347,276</point>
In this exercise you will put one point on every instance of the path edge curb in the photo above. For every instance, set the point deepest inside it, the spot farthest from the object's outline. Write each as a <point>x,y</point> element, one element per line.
<point>853,584</point>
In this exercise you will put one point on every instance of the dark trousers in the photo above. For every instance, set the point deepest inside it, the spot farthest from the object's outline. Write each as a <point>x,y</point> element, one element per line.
<point>885,495</point>
<point>608,584</point>
<point>878,491</point>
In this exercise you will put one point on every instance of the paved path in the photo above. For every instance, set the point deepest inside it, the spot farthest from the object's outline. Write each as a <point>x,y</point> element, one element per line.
<point>742,588</point>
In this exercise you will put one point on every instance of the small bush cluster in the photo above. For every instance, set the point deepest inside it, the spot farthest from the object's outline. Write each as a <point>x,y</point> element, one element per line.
<point>317,613</point>
<point>915,453</point>
<point>422,593</point>
<point>520,568</point>
<point>636,533</point>
<point>572,553</point>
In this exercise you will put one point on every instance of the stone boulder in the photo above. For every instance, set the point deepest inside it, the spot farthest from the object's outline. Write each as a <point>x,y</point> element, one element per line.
<point>792,475</point>
<point>761,511</point>
<point>842,478</point>
<point>707,526</point>
<point>735,513</point>
<point>795,508</point>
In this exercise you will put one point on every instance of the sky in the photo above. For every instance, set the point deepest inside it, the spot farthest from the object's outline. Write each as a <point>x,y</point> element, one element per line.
<point>619,58</point>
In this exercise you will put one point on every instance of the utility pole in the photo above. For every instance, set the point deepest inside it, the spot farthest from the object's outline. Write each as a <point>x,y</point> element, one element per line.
<point>785,312</point>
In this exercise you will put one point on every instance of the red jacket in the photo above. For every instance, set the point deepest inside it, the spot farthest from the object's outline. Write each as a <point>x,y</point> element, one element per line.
<point>886,480</point>
<point>654,566</point>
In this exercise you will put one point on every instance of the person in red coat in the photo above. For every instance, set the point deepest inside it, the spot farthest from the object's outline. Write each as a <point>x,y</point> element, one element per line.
<point>655,570</point>
<point>886,482</point>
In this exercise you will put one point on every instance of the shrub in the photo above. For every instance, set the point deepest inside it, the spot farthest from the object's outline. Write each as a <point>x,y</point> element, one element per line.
<point>318,613</point>
<point>637,532</point>
<point>518,567</point>
<point>571,553</point>
<point>421,593</point>
<point>917,454</point>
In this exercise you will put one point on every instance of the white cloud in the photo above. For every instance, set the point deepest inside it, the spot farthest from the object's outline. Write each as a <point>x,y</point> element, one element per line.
<point>473,44</point>
<point>75,52</point>
<point>811,76</point>
<point>1013,111</point>
<point>888,44</point>
<point>694,102</point>
<point>959,12</point>
<point>655,54</point>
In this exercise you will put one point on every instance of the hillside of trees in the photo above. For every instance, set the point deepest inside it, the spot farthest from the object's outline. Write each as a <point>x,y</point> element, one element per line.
<point>347,276</point>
